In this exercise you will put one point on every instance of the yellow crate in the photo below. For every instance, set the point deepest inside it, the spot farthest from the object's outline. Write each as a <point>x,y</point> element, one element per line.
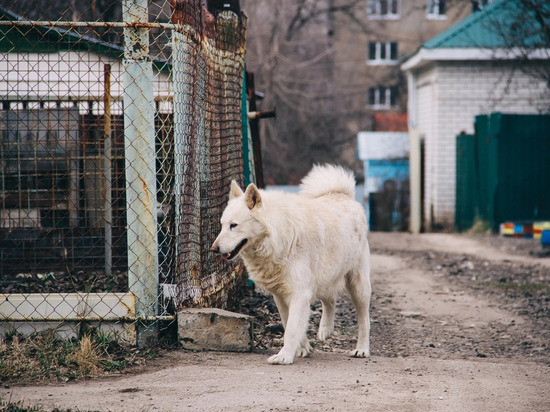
<point>538,227</point>
<point>507,229</point>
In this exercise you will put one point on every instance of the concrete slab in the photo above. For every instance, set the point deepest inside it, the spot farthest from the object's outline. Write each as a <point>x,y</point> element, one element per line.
<point>215,329</point>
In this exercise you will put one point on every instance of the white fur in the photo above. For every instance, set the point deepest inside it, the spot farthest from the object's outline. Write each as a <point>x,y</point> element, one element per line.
<point>303,247</point>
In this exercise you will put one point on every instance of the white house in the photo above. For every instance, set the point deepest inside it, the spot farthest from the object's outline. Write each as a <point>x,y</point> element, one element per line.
<point>464,71</point>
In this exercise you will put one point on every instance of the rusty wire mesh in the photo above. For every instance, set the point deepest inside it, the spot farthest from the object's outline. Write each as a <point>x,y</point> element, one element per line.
<point>77,211</point>
<point>201,49</point>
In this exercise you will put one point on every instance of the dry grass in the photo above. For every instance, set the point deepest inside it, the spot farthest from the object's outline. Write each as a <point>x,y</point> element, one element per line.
<point>44,357</point>
<point>480,227</point>
<point>85,357</point>
<point>8,406</point>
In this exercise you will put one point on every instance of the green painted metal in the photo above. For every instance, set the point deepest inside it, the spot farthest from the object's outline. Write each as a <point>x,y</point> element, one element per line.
<point>494,26</point>
<point>522,187</point>
<point>466,182</point>
<point>485,167</point>
<point>244,127</point>
<point>510,165</point>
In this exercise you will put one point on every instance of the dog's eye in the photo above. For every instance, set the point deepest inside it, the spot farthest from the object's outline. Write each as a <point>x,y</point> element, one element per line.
<point>232,226</point>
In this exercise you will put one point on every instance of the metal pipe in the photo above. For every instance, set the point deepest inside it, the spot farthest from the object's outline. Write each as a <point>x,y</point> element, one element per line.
<point>262,115</point>
<point>112,24</point>
<point>94,319</point>
<point>107,148</point>
<point>77,99</point>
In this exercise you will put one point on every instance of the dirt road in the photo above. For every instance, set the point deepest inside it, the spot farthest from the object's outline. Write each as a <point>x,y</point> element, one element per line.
<point>457,325</point>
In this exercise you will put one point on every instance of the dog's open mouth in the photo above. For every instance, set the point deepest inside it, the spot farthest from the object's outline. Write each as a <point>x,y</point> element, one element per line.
<point>233,254</point>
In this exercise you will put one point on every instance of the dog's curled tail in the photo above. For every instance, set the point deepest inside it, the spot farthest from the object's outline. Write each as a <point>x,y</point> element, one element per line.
<point>326,179</point>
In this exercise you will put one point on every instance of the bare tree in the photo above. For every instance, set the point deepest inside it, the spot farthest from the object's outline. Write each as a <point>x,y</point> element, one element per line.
<point>292,50</point>
<point>523,30</point>
<point>310,59</point>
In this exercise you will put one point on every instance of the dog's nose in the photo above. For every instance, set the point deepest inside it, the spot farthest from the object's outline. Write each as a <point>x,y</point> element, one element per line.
<point>215,248</point>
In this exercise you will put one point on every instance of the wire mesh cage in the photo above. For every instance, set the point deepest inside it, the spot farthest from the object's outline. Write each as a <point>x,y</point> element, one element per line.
<point>121,129</point>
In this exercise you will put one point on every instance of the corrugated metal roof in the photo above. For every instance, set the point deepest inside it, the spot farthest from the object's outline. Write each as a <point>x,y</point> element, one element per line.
<point>497,25</point>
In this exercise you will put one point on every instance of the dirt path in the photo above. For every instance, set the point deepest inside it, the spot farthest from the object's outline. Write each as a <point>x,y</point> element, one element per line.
<point>441,340</point>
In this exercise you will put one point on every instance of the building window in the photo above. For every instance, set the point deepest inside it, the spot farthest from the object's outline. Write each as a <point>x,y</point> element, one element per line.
<point>382,53</point>
<point>436,9</point>
<point>384,9</point>
<point>382,97</point>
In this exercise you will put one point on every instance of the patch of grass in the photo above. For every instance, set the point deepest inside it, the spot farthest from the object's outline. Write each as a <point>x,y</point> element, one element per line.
<point>113,365</point>
<point>480,227</point>
<point>85,357</point>
<point>19,406</point>
<point>7,406</point>
<point>43,356</point>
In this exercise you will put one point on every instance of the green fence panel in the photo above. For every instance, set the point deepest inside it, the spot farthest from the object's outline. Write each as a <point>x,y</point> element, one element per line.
<point>486,166</point>
<point>523,168</point>
<point>466,206</point>
<point>511,165</point>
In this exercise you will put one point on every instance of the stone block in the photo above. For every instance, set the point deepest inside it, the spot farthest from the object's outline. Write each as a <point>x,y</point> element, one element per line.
<point>215,329</point>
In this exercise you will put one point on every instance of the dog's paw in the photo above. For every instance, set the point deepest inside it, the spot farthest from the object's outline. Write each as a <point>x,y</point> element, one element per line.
<point>304,350</point>
<point>279,359</point>
<point>359,353</point>
<point>324,333</point>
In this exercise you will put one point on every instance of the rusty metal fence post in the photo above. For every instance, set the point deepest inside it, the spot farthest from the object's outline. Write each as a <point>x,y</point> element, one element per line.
<point>139,145</point>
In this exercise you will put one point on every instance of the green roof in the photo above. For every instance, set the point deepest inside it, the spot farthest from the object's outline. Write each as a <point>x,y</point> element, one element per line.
<point>502,23</point>
<point>45,39</point>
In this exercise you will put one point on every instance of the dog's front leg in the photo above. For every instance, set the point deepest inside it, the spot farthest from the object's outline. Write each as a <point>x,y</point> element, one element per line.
<point>295,331</point>
<point>282,307</point>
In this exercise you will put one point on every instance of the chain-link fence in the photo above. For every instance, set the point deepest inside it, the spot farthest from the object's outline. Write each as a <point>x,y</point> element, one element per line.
<point>121,128</point>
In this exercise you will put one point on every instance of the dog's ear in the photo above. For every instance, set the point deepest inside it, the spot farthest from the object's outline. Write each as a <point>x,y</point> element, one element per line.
<point>235,190</point>
<point>252,196</point>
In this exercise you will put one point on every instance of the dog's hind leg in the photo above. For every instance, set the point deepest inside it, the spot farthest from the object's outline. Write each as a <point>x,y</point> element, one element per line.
<point>326,326</point>
<point>359,288</point>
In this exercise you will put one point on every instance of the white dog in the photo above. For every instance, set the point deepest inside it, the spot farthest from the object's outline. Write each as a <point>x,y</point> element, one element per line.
<point>303,247</point>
